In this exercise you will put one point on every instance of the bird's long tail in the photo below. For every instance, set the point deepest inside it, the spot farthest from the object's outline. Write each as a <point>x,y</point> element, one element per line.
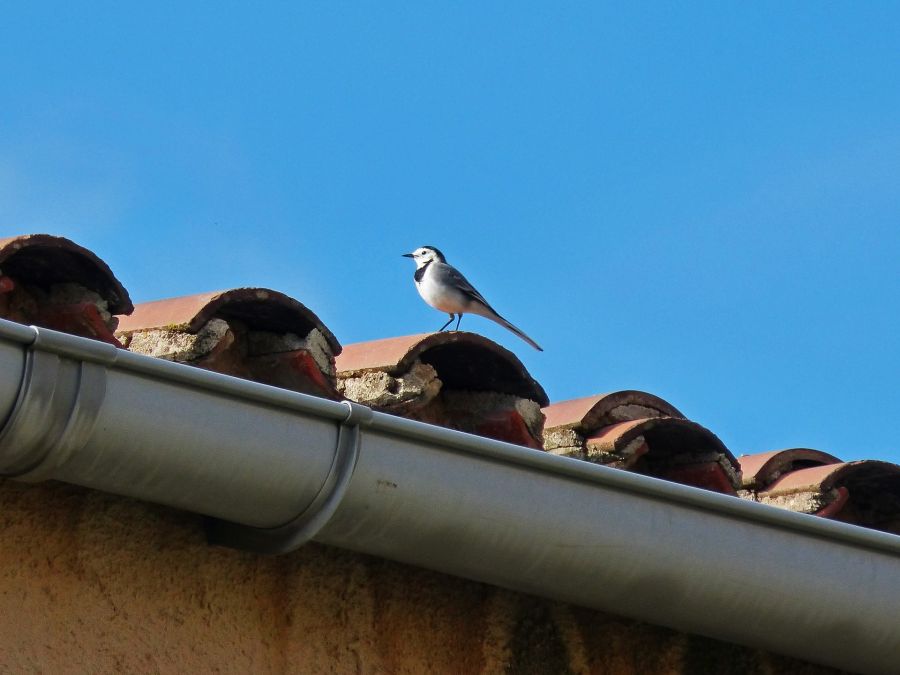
<point>506,324</point>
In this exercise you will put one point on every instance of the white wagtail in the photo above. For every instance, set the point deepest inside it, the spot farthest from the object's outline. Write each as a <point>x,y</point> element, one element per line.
<point>443,287</point>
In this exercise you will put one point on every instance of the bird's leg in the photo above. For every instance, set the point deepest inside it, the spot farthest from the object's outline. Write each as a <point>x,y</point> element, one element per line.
<point>452,316</point>
<point>458,319</point>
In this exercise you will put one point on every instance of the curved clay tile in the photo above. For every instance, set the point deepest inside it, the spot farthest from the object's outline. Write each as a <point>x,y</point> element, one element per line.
<point>847,474</point>
<point>462,360</point>
<point>259,308</point>
<point>865,492</point>
<point>43,260</point>
<point>669,435</point>
<point>672,448</point>
<point>592,412</point>
<point>761,469</point>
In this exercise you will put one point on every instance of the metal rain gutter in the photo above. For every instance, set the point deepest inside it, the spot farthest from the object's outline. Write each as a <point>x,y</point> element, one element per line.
<point>274,468</point>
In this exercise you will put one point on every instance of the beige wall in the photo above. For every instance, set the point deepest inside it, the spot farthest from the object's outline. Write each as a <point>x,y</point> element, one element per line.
<point>91,583</point>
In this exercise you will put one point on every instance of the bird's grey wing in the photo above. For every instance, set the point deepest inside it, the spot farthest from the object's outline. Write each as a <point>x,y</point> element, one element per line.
<point>453,277</point>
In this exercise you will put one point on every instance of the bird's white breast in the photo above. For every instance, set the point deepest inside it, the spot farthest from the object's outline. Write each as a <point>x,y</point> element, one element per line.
<point>441,296</point>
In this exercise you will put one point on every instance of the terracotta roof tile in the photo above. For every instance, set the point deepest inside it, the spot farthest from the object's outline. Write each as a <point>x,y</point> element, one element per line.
<point>43,260</point>
<point>463,361</point>
<point>261,308</point>
<point>834,509</point>
<point>640,432</point>
<point>829,475</point>
<point>591,412</point>
<point>253,333</point>
<point>760,469</point>
<point>55,283</point>
<point>668,447</point>
<point>865,492</point>
<point>455,379</point>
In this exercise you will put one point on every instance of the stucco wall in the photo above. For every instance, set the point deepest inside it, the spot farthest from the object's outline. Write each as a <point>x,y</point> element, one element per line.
<point>95,583</point>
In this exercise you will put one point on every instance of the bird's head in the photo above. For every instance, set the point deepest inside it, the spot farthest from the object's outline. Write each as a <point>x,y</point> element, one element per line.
<point>425,254</point>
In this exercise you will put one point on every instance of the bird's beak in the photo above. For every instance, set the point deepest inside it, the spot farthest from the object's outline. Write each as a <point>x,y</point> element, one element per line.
<point>407,255</point>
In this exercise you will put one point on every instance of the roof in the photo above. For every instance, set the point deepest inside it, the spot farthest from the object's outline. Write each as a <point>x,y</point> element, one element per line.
<point>251,456</point>
<point>631,430</point>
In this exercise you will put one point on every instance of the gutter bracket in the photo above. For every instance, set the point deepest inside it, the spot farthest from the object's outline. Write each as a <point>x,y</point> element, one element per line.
<point>299,531</point>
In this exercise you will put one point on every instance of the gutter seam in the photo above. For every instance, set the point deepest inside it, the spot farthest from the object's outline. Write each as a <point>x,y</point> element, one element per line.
<point>302,529</point>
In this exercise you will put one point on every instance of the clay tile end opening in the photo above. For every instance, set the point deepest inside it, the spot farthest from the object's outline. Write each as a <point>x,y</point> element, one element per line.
<point>458,380</point>
<point>253,333</point>
<point>44,260</point>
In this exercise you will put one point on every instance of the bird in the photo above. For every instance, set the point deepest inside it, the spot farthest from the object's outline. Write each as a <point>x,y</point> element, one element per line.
<point>444,287</point>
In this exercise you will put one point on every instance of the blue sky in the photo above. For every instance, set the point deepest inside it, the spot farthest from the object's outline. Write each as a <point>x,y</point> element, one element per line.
<point>701,201</point>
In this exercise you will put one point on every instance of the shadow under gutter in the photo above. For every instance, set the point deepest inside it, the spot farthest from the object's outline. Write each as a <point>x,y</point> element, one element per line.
<point>274,468</point>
